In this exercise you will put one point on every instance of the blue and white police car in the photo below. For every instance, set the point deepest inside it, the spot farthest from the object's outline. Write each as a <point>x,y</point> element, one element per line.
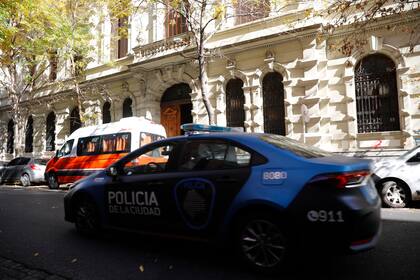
<point>266,194</point>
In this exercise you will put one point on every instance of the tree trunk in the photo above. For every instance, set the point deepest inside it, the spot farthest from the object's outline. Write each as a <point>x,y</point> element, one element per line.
<point>77,91</point>
<point>202,66</point>
<point>204,89</point>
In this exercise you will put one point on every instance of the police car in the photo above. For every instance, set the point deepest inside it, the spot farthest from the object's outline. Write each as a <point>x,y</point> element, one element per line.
<point>268,195</point>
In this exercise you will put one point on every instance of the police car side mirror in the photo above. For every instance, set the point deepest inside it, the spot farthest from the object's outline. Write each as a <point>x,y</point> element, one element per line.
<point>112,171</point>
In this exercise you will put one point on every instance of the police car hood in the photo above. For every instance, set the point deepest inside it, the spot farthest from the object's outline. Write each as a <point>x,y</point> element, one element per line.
<point>344,163</point>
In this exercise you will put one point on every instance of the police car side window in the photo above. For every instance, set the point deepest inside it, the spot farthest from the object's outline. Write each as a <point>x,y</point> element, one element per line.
<point>202,155</point>
<point>151,161</point>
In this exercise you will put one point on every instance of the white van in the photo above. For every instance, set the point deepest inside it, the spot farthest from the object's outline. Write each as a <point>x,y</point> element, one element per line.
<point>93,148</point>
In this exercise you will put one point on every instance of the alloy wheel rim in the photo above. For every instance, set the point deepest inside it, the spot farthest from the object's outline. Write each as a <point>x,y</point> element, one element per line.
<point>25,180</point>
<point>395,194</point>
<point>263,243</point>
<point>85,217</point>
<point>52,180</point>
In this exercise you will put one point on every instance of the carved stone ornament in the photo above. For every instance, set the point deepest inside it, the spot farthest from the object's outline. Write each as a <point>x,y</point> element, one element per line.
<point>269,54</point>
<point>231,63</point>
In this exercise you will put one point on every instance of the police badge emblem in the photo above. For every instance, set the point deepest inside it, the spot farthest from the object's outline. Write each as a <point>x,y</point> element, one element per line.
<point>195,199</point>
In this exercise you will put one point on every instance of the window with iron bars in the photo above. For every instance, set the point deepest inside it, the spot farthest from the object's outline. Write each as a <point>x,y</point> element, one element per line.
<point>376,94</point>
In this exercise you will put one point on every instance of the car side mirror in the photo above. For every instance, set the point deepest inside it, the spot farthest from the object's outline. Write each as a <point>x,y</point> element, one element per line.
<point>165,153</point>
<point>112,171</point>
<point>57,153</point>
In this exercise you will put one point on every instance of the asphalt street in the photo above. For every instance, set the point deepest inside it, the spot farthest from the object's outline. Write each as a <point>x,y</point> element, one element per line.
<point>33,233</point>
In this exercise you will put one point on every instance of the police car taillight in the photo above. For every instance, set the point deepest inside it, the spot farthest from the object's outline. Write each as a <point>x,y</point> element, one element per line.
<point>341,180</point>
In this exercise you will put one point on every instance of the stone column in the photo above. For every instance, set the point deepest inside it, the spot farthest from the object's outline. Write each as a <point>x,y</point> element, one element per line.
<point>150,107</point>
<point>350,100</point>
<point>39,125</point>
<point>404,91</point>
<point>256,101</point>
<point>3,137</point>
<point>220,96</point>
<point>62,126</point>
<point>137,87</point>
<point>249,107</point>
<point>198,112</point>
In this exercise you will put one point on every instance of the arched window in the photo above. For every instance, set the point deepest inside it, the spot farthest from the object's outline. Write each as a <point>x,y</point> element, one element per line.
<point>75,121</point>
<point>273,104</point>
<point>376,94</point>
<point>235,100</point>
<point>10,136</point>
<point>50,132</point>
<point>127,110</point>
<point>29,135</point>
<point>106,112</point>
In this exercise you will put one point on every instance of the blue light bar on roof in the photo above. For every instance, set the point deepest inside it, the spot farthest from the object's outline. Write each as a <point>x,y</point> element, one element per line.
<point>191,127</point>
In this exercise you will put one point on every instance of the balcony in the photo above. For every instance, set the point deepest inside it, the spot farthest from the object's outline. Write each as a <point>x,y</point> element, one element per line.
<point>163,47</point>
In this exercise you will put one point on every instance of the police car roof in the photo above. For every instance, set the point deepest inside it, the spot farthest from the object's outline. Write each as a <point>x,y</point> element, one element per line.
<point>219,135</point>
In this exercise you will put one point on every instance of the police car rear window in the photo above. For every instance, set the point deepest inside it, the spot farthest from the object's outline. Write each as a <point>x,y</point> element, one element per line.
<point>294,146</point>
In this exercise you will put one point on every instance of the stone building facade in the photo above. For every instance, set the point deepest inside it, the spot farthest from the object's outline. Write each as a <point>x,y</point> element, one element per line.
<point>265,75</point>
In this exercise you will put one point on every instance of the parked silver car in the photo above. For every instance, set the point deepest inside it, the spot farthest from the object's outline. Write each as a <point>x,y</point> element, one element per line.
<point>398,180</point>
<point>24,170</point>
<point>3,165</point>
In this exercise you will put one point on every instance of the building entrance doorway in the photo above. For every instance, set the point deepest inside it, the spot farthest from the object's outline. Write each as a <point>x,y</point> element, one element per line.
<point>175,108</point>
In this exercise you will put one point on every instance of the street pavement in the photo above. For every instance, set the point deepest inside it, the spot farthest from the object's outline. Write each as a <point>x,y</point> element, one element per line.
<point>36,243</point>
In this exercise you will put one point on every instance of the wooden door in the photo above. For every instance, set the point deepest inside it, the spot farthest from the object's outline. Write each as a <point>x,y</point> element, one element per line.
<point>170,118</point>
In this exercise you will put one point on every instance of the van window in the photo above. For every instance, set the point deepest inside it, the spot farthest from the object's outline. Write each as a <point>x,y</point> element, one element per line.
<point>147,138</point>
<point>88,145</point>
<point>116,143</point>
<point>66,149</point>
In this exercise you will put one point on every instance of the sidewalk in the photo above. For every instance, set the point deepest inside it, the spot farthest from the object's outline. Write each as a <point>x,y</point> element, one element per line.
<point>36,187</point>
<point>11,270</point>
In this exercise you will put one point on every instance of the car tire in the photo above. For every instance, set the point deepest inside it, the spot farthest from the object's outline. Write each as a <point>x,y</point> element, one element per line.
<point>52,181</point>
<point>262,243</point>
<point>86,217</point>
<point>394,194</point>
<point>25,180</point>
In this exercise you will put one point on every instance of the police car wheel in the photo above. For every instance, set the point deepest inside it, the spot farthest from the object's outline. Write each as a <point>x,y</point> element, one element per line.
<point>52,181</point>
<point>87,221</point>
<point>394,194</point>
<point>262,243</point>
<point>25,181</point>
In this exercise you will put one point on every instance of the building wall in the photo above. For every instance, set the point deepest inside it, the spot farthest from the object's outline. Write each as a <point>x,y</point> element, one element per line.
<point>314,74</point>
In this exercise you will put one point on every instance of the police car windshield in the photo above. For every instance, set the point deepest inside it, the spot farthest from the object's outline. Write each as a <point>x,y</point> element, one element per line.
<point>294,146</point>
